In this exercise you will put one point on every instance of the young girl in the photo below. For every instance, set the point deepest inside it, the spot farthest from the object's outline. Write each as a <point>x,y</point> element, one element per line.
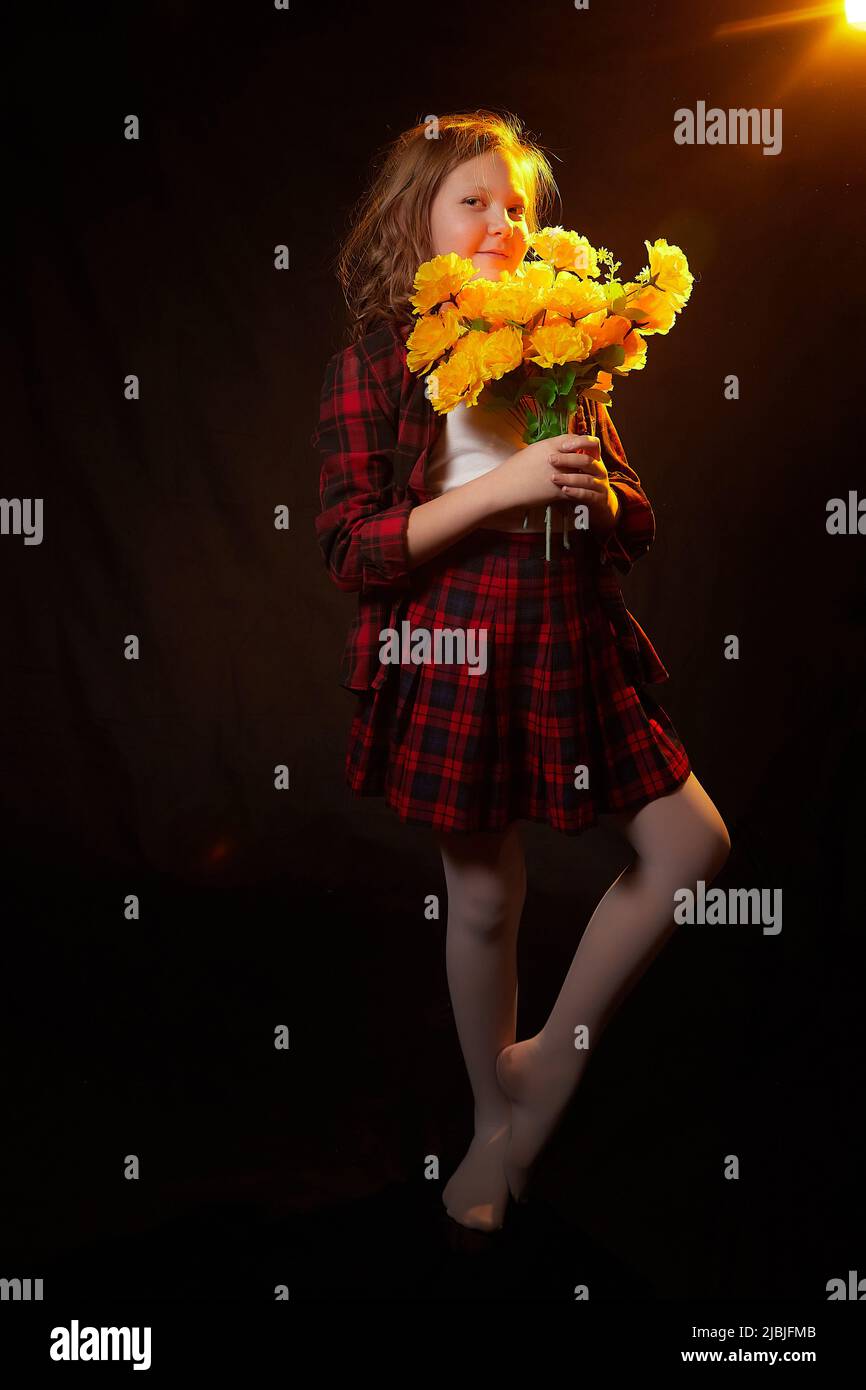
<point>543,716</point>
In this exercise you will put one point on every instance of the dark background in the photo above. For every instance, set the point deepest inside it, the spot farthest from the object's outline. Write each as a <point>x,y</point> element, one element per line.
<point>305,907</point>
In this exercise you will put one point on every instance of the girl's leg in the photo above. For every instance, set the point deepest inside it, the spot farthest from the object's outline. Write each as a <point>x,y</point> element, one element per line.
<point>485,874</point>
<point>677,839</point>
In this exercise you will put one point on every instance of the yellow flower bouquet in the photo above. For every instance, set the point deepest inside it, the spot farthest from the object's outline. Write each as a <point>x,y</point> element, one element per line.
<point>538,341</point>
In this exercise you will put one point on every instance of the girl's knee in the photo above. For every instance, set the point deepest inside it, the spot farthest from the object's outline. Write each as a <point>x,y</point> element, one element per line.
<point>716,841</point>
<point>686,850</point>
<point>702,829</point>
<point>703,853</point>
<point>485,902</point>
<point>716,849</point>
<point>486,880</point>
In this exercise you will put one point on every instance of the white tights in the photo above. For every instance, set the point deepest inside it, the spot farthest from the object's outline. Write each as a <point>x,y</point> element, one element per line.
<point>677,839</point>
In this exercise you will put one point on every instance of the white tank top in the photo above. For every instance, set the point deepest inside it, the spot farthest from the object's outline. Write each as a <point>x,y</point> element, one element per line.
<point>473,441</point>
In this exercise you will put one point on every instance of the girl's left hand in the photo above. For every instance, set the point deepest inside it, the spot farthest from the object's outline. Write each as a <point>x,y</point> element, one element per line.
<point>585,479</point>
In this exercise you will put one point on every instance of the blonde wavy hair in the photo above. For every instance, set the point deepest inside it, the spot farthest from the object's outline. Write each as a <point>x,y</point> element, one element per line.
<point>389,233</point>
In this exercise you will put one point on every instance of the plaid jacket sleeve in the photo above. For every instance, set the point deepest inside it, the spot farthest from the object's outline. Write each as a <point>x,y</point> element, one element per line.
<point>634,530</point>
<point>361,529</point>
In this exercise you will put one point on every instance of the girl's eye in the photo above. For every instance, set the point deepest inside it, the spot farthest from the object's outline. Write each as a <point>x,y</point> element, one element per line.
<point>518,207</point>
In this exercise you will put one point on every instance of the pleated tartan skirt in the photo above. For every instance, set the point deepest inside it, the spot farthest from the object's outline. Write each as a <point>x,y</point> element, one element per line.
<point>558,728</point>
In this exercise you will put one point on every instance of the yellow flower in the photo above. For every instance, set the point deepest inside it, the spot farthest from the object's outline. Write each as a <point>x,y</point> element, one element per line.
<point>537,273</point>
<point>655,311</point>
<point>501,352</point>
<point>606,330</point>
<point>513,298</point>
<point>472,300</point>
<point>439,278</point>
<point>461,378</point>
<point>565,250</point>
<point>471,344</point>
<point>570,296</point>
<point>433,335</point>
<point>604,381</point>
<point>555,343</point>
<point>670,266</point>
<point>515,301</point>
<point>635,353</point>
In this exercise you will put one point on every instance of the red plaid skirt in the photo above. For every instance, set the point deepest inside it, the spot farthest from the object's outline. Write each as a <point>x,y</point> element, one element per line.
<point>557,728</point>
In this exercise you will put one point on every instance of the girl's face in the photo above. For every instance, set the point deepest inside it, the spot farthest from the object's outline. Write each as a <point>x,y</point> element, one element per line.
<point>479,212</point>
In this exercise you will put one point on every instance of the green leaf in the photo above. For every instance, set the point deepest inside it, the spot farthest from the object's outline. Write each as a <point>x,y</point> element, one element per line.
<point>546,393</point>
<point>481,324</point>
<point>534,429</point>
<point>596,394</point>
<point>609,357</point>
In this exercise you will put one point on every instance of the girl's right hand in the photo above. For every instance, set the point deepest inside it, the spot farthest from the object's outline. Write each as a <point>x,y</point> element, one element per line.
<point>525,479</point>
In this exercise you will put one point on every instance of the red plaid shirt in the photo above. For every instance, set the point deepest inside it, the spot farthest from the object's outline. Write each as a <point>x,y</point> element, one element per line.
<point>376,429</point>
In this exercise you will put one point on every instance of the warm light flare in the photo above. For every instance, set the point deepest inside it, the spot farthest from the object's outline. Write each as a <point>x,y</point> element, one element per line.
<point>779,20</point>
<point>854,12</point>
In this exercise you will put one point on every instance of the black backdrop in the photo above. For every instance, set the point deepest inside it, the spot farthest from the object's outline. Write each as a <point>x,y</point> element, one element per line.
<point>304,907</point>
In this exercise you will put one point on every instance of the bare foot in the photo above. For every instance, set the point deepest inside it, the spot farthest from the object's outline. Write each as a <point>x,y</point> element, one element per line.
<point>477,1193</point>
<point>539,1093</point>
